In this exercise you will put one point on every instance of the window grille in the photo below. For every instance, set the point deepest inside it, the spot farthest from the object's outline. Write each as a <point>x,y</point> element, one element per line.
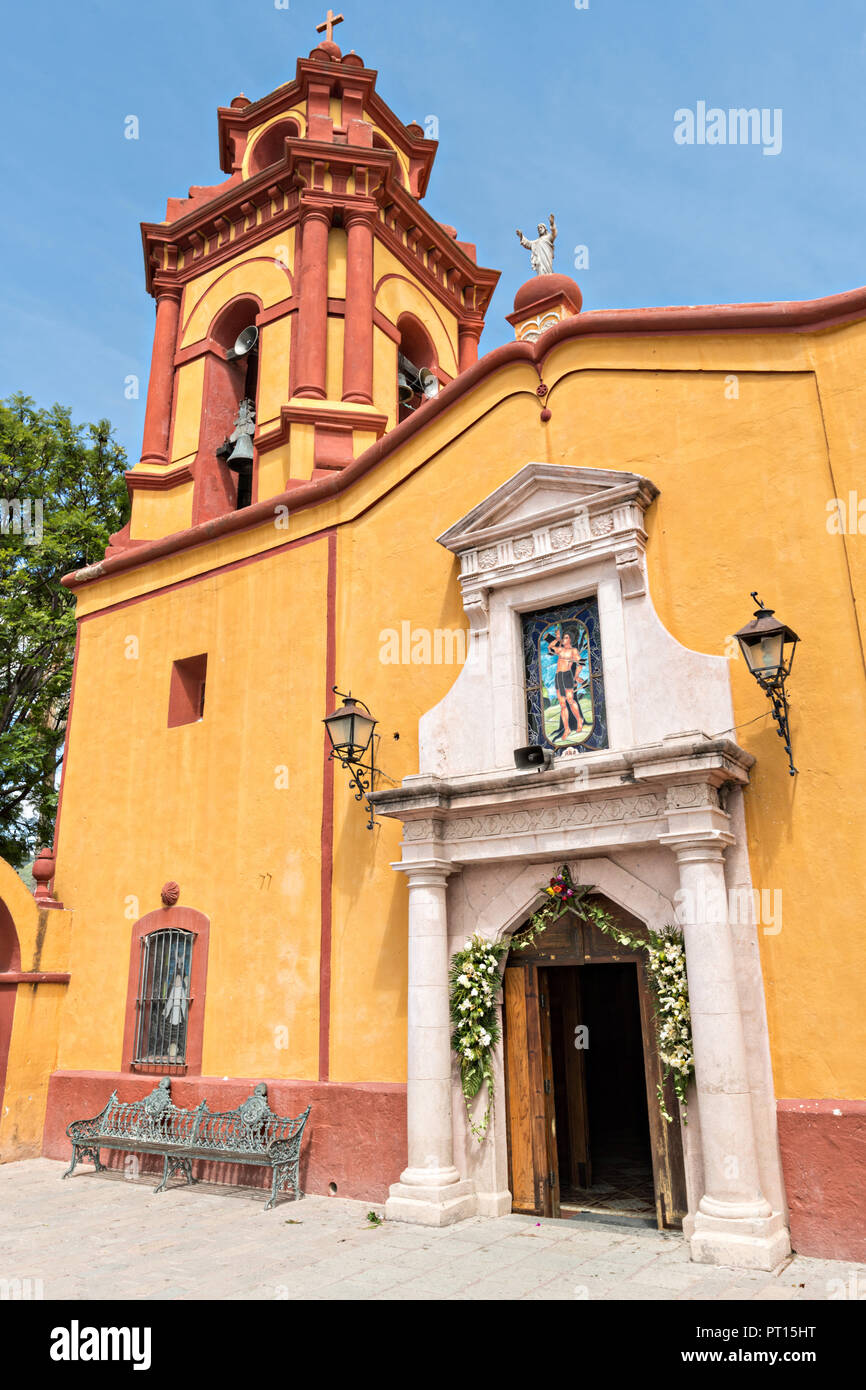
<point>163,1003</point>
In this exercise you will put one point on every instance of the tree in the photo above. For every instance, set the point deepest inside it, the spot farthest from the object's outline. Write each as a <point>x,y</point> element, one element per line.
<point>62,494</point>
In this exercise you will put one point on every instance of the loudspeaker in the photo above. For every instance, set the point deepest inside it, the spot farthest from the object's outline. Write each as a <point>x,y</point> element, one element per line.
<point>533,756</point>
<point>244,343</point>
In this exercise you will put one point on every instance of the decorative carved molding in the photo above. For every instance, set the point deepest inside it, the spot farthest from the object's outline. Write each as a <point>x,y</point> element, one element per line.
<point>563,817</point>
<point>553,516</point>
<point>415,830</point>
<point>695,794</point>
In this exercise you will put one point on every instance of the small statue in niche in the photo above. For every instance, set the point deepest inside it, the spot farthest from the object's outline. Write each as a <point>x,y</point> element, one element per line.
<point>541,249</point>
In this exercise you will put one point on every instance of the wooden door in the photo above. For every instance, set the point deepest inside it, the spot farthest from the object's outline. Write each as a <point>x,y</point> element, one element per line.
<point>665,1140</point>
<point>574,1068</point>
<point>530,1101</point>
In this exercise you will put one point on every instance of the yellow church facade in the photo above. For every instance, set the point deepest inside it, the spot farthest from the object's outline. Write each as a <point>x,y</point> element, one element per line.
<point>401,513</point>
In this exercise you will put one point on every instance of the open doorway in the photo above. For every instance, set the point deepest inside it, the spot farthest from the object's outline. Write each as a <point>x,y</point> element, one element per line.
<point>586,1136</point>
<point>604,1148</point>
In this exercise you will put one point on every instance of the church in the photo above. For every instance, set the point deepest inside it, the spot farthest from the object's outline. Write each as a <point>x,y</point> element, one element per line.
<point>396,635</point>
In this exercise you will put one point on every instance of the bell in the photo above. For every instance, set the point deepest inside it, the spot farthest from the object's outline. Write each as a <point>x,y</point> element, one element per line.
<point>429,383</point>
<point>405,390</point>
<point>242,452</point>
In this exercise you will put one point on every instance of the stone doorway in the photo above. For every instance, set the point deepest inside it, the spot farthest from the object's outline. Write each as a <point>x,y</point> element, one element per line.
<point>584,1128</point>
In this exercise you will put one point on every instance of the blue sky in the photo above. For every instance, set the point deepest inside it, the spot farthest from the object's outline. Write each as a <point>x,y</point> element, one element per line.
<point>539,107</point>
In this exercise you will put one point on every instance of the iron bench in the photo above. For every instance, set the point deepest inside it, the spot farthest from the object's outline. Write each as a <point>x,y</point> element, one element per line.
<point>251,1134</point>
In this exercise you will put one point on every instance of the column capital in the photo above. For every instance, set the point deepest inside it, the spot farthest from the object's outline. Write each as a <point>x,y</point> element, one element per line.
<point>698,846</point>
<point>362,213</point>
<point>316,208</point>
<point>171,292</point>
<point>471,328</point>
<point>426,872</point>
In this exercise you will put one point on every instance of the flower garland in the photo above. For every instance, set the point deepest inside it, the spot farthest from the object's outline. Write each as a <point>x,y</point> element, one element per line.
<point>666,959</point>
<point>475,982</point>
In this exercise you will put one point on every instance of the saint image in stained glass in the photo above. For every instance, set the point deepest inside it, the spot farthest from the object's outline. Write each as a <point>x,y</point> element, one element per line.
<point>564,685</point>
<point>564,663</point>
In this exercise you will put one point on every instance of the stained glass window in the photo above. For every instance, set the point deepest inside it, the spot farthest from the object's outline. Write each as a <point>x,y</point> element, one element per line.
<point>564,677</point>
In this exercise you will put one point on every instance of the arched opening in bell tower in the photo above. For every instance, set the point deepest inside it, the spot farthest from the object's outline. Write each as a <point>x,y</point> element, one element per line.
<point>227,427</point>
<point>416,355</point>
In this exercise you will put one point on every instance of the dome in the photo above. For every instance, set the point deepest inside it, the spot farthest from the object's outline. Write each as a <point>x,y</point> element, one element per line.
<point>542,288</point>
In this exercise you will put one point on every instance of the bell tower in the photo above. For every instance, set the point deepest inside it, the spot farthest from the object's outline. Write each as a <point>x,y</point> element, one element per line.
<point>304,306</point>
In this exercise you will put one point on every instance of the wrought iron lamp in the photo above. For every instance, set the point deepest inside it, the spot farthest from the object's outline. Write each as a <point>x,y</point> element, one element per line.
<point>768,646</point>
<point>350,729</point>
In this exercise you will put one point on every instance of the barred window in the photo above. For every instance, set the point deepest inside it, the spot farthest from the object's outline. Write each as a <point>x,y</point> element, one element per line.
<point>163,1003</point>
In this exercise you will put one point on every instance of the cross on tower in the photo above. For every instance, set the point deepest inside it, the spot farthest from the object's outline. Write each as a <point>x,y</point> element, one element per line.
<point>328,27</point>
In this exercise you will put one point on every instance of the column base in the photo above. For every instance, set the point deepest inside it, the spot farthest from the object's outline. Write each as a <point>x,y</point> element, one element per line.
<point>495,1203</point>
<point>432,1206</point>
<point>760,1243</point>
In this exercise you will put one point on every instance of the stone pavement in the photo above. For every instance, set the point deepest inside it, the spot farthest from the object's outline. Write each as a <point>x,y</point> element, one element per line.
<point>103,1236</point>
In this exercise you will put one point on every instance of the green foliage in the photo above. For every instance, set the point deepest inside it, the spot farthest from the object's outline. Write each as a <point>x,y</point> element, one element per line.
<point>474,984</point>
<point>666,959</point>
<point>375,1219</point>
<point>76,471</point>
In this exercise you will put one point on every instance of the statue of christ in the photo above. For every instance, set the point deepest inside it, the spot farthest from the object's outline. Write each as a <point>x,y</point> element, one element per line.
<point>541,249</point>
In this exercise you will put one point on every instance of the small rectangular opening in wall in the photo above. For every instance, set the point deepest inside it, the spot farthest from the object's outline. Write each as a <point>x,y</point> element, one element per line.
<point>186,696</point>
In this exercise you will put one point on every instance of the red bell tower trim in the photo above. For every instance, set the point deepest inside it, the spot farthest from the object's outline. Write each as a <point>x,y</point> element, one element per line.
<point>312,339</point>
<point>160,392</point>
<point>359,222</point>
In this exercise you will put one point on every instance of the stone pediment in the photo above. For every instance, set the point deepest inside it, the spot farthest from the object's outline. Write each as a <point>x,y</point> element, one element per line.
<point>553,516</point>
<point>542,492</point>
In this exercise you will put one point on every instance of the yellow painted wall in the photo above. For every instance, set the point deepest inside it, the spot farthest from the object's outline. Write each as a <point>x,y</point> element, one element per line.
<point>188,388</point>
<point>200,804</point>
<point>43,938</point>
<point>337,251</point>
<point>744,484</point>
<point>334,359</point>
<point>260,270</point>
<point>274,359</point>
<point>160,513</point>
<point>401,295</point>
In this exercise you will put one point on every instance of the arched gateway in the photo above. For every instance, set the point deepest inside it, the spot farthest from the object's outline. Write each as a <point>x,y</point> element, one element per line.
<point>643,799</point>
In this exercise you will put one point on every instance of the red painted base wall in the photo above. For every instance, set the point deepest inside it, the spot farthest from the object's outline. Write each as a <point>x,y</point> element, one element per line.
<point>823,1145</point>
<point>355,1136</point>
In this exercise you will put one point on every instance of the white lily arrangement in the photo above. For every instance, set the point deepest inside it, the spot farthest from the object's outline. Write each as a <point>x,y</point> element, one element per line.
<point>474,992</point>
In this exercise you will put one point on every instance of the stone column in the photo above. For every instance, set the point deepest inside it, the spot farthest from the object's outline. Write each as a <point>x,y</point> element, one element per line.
<point>312,338</point>
<point>160,389</point>
<point>430,1190</point>
<point>468,334</point>
<point>358,341</point>
<point>734,1223</point>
